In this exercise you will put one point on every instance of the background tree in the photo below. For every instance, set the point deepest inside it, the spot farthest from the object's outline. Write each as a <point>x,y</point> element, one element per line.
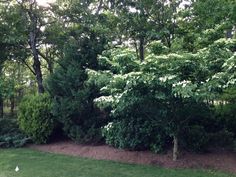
<point>141,22</point>
<point>199,27</point>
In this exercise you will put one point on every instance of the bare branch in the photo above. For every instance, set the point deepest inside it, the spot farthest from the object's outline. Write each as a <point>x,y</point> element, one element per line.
<point>28,66</point>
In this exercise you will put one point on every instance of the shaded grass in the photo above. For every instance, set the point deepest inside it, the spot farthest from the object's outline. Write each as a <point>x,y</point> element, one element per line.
<point>39,164</point>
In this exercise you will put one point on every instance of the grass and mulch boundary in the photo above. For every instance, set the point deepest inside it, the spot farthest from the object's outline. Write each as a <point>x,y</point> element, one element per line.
<point>219,160</point>
<point>43,164</point>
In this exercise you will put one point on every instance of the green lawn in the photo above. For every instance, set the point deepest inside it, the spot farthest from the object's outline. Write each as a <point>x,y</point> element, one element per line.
<point>38,164</point>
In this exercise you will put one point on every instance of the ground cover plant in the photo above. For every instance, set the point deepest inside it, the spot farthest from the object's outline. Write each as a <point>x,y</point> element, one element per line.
<point>11,135</point>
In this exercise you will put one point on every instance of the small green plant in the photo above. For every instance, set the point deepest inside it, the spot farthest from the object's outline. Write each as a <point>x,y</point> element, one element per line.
<point>134,135</point>
<point>79,134</point>
<point>157,48</point>
<point>15,140</point>
<point>10,135</point>
<point>35,117</point>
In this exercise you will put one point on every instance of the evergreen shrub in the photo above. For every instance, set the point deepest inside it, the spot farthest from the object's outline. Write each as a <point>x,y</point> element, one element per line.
<point>35,118</point>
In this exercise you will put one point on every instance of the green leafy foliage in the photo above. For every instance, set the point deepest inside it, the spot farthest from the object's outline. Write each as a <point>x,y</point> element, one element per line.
<point>10,135</point>
<point>13,140</point>
<point>223,138</point>
<point>140,101</point>
<point>167,90</point>
<point>195,138</point>
<point>35,118</point>
<point>157,48</point>
<point>136,134</point>
<point>226,113</point>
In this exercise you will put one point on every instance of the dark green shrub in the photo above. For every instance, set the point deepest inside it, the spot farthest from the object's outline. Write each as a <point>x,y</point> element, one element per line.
<point>226,114</point>
<point>209,128</point>
<point>158,48</point>
<point>135,134</point>
<point>222,138</point>
<point>234,146</point>
<point>195,139</point>
<point>8,126</point>
<point>91,135</point>
<point>10,135</point>
<point>35,117</point>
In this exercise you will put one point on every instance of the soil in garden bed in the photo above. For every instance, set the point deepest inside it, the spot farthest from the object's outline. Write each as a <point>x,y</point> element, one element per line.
<point>217,159</point>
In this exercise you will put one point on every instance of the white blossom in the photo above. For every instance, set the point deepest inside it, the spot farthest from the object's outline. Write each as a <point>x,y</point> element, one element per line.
<point>108,126</point>
<point>166,78</point>
<point>183,83</point>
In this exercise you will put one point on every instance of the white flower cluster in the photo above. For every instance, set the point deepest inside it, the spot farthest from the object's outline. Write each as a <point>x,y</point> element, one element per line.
<point>216,76</point>
<point>104,99</point>
<point>182,83</point>
<point>165,78</point>
<point>108,126</point>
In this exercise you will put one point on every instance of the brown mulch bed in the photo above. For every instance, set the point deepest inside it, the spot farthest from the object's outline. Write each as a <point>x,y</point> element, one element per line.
<point>219,160</point>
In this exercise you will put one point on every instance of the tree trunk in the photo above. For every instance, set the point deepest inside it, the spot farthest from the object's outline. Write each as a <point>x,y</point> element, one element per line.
<point>141,48</point>
<point>48,59</point>
<point>50,67</point>
<point>33,40</point>
<point>175,148</point>
<point>136,49</point>
<point>12,102</point>
<point>1,96</point>
<point>1,106</point>
<point>38,73</point>
<point>36,64</point>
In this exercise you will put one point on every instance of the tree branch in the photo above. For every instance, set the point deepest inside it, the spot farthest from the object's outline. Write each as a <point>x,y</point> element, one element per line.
<point>99,7</point>
<point>27,65</point>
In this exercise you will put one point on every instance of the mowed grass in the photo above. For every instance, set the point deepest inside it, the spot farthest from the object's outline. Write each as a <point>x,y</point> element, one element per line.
<point>38,164</point>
